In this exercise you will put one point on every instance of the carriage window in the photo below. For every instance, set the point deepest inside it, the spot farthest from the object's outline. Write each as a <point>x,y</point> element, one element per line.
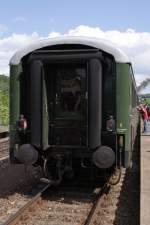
<point>70,90</point>
<point>71,94</point>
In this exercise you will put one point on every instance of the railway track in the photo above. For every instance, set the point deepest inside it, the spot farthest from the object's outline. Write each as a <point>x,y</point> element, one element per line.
<point>4,134</point>
<point>30,204</point>
<point>4,144</point>
<point>93,214</point>
<point>85,204</point>
<point>56,208</point>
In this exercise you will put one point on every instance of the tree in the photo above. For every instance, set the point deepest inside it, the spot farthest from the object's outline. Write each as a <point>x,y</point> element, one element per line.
<point>4,100</point>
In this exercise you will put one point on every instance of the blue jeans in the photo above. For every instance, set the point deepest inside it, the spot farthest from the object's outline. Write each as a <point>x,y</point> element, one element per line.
<point>145,126</point>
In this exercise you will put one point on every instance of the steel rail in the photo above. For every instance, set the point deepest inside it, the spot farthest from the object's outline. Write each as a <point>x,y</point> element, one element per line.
<point>4,134</point>
<point>96,205</point>
<point>90,217</point>
<point>16,216</point>
<point>4,158</point>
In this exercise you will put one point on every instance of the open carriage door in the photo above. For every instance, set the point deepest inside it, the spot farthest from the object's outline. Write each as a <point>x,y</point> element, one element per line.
<point>39,118</point>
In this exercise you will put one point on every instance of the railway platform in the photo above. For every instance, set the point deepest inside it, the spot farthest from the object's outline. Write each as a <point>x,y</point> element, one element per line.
<point>145,179</point>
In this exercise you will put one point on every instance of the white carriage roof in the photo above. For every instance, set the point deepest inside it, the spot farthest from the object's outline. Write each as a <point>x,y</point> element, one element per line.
<point>101,44</point>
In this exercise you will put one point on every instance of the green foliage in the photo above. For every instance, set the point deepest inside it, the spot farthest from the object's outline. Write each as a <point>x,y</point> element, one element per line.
<point>145,98</point>
<point>4,100</point>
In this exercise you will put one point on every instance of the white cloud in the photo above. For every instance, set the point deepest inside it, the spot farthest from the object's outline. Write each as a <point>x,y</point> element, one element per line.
<point>135,44</point>
<point>54,34</point>
<point>9,45</point>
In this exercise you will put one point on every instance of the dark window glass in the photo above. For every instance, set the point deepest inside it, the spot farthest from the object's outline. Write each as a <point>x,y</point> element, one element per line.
<point>70,90</point>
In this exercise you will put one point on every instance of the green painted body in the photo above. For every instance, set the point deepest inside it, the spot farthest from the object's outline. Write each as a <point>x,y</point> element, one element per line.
<point>127,114</point>
<point>123,109</point>
<point>123,94</point>
<point>15,72</point>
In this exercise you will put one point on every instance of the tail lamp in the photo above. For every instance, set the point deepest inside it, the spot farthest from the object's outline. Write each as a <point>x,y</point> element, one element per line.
<point>22,123</point>
<point>110,124</point>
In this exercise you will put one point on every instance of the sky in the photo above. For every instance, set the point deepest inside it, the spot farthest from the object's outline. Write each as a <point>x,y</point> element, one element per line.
<point>125,23</point>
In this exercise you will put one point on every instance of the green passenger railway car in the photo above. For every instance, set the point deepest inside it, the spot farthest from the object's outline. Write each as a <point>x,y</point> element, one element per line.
<point>73,107</point>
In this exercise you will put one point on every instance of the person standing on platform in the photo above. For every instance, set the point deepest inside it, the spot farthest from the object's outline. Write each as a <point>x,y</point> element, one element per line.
<point>144,114</point>
<point>148,111</point>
